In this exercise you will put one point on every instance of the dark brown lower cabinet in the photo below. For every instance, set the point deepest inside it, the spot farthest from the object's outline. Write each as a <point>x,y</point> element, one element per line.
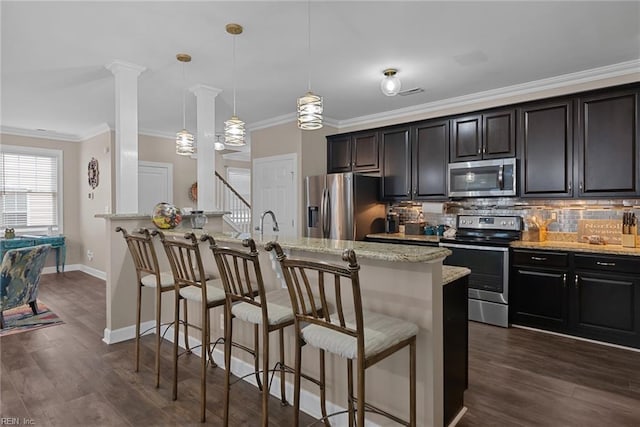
<point>592,296</point>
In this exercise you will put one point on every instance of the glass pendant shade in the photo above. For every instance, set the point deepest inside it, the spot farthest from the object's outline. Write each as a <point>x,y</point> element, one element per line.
<point>390,85</point>
<point>310,111</point>
<point>185,145</point>
<point>234,132</point>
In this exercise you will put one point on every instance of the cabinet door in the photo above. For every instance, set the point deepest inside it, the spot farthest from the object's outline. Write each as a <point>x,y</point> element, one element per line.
<point>365,152</point>
<point>546,149</point>
<point>430,148</point>
<point>466,138</point>
<point>608,144</point>
<point>338,153</point>
<point>539,298</point>
<point>396,164</point>
<point>499,134</point>
<point>606,307</point>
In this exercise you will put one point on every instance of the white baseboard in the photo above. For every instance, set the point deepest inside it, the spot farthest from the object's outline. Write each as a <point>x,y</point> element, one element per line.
<point>309,402</point>
<point>78,267</point>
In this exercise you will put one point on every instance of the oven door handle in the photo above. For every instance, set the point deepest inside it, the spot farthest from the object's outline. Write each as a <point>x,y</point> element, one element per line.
<point>480,248</point>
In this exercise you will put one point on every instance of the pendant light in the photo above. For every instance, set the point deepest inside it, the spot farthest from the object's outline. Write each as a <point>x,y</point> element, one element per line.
<point>310,104</point>
<point>234,131</point>
<point>390,85</point>
<point>185,143</point>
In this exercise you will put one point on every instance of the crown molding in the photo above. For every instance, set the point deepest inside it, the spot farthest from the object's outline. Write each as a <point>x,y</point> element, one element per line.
<point>286,118</point>
<point>565,80</point>
<point>44,134</point>
<point>156,134</point>
<point>93,132</point>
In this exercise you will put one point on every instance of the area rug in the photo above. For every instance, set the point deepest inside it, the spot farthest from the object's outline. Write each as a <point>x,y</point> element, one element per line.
<point>21,319</point>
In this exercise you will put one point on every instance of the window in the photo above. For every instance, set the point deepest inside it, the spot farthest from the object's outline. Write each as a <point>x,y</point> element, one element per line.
<point>30,189</point>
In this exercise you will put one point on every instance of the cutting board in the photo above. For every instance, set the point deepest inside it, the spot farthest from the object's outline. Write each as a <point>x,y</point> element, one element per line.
<point>609,229</point>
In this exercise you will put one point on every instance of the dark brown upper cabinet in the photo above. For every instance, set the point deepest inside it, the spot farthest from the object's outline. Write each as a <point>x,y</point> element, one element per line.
<point>545,145</point>
<point>357,152</point>
<point>430,147</point>
<point>490,135</point>
<point>395,147</point>
<point>607,142</point>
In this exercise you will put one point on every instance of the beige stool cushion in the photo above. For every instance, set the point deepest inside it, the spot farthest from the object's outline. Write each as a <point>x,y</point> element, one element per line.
<point>166,280</point>
<point>380,333</point>
<point>215,293</point>
<point>278,309</point>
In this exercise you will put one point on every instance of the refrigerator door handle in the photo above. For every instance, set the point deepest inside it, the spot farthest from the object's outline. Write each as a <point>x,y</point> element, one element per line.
<point>328,216</point>
<point>322,212</point>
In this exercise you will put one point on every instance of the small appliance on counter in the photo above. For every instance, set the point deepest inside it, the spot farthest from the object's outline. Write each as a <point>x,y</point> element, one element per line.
<point>414,228</point>
<point>393,223</point>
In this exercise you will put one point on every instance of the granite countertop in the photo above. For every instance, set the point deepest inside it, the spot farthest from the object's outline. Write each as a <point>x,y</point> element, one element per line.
<point>366,250</point>
<point>123,216</point>
<point>451,273</point>
<point>576,247</point>
<point>402,236</point>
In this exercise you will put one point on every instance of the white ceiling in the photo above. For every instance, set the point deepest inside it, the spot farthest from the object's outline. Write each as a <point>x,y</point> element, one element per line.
<point>54,55</point>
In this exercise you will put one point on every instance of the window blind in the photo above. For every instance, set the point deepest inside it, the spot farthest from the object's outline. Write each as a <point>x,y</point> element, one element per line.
<point>28,191</point>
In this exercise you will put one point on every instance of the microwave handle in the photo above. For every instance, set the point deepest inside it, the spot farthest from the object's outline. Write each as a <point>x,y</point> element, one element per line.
<point>501,177</point>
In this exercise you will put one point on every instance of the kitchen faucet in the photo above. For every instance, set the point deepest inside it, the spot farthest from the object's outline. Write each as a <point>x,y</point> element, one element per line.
<point>275,222</point>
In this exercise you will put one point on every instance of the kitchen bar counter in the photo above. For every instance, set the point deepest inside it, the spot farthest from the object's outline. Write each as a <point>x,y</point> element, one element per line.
<point>398,280</point>
<point>551,245</point>
<point>413,239</point>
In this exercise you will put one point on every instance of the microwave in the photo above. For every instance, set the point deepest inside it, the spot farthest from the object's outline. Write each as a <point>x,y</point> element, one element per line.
<point>482,178</point>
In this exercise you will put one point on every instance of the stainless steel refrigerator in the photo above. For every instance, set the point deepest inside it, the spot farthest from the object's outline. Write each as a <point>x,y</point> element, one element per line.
<point>343,206</point>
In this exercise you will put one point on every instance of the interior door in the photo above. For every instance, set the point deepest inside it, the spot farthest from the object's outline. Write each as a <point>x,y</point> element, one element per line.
<point>275,188</point>
<point>155,185</point>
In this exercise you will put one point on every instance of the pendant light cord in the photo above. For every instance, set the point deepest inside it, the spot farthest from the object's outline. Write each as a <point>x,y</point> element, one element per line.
<point>309,44</point>
<point>184,90</point>
<point>234,75</point>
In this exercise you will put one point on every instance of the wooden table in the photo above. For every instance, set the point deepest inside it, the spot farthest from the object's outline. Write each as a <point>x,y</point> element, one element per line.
<point>56,242</point>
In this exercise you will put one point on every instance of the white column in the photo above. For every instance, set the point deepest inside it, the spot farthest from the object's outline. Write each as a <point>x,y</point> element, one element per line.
<point>126,155</point>
<point>206,122</point>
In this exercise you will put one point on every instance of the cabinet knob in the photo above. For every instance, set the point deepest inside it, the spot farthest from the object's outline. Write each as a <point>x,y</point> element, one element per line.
<point>479,150</point>
<point>581,186</point>
<point>484,150</point>
<point>569,187</point>
<point>576,281</point>
<point>564,280</point>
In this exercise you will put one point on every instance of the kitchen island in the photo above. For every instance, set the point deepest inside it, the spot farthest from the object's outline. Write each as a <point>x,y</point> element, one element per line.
<point>398,280</point>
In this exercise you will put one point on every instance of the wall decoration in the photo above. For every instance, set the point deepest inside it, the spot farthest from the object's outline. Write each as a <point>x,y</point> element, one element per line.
<point>93,173</point>
<point>193,192</point>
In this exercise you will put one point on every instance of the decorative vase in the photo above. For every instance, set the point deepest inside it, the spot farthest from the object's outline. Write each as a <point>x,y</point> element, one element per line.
<point>166,216</point>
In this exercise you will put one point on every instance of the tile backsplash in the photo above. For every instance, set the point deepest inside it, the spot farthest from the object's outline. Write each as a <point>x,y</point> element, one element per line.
<point>568,212</point>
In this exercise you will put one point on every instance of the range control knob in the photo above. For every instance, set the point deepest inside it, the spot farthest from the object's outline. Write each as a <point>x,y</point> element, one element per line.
<point>504,222</point>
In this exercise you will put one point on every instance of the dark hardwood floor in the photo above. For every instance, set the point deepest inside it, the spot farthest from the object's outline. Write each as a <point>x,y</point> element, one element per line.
<point>66,376</point>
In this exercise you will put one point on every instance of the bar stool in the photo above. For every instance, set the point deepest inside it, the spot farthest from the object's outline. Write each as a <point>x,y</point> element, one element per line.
<point>191,285</point>
<point>148,275</point>
<point>187,267</point>
<point>247,300</point>
<point>349,331</point>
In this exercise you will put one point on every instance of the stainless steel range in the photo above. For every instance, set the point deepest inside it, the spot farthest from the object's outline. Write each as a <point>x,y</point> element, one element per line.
<point>482,245</point>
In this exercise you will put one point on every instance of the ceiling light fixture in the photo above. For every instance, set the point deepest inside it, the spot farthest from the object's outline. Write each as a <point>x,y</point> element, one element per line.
<point>310,104</point>
<point>234,131</point>
<point>390,85</point>
<point>185,143</point>
<point>218,145</point>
